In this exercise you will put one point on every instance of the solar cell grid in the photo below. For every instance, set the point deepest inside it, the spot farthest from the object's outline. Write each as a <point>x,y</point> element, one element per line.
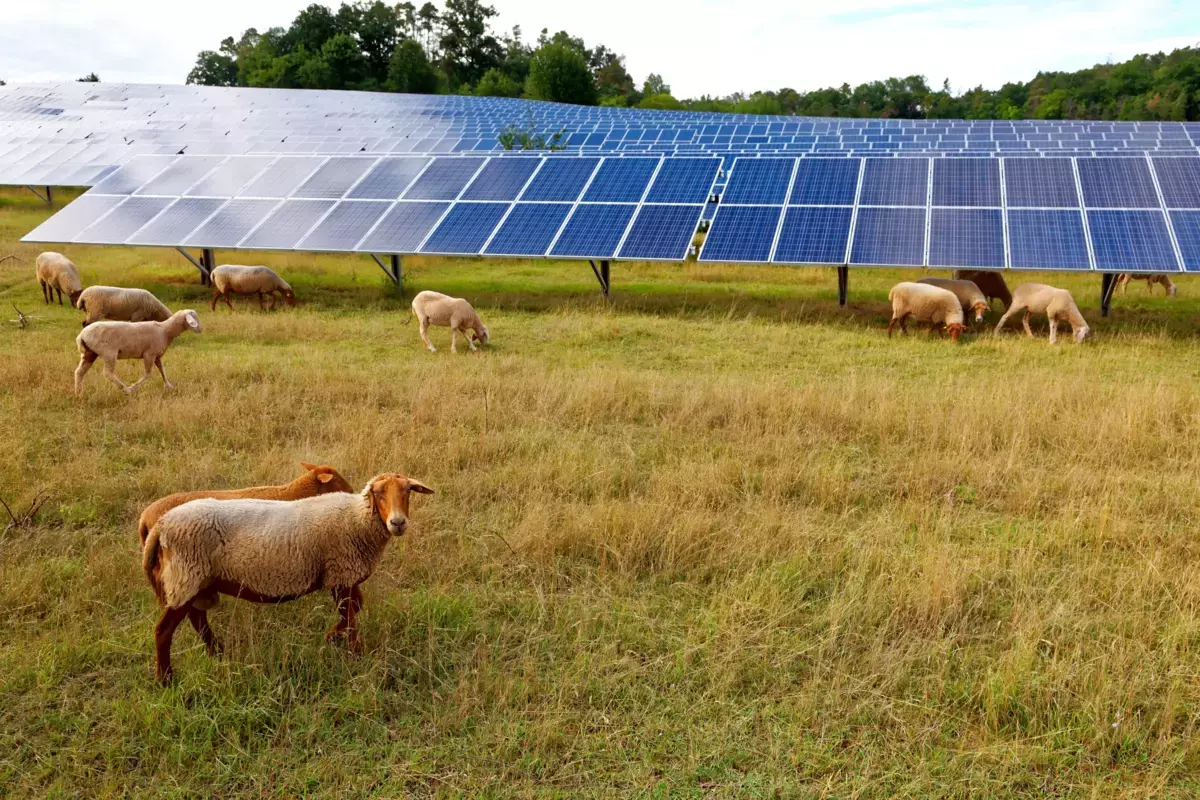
<point>889,237</point>
<point>593,231</point>
<point>334,178</point>
<point>662,232</point>
<point>345,225</point>
<point>466,229</point>
<point>826,181</point>
<point>814,235</point>
<point>121,223</point>
<point>1117,183</point>
<point>742,233</point>
<point>621,180</point>
<point>181,218</point>
<point>684,180</point>
<point>1131,241</point>
<point>761,181</point>
<point>287,224</point>
<point>966,182</point>
<point>501,179</point>
<point>1187,233</point>
<point>895,182</point>
<point>230,224</point>
<point>1040,183</point>
<point>72,220</point>
<point>404,227</point>
<point>129,177</point>
<point>180,176</point>
<point>1047,239</point>
<point>444,179</point>
<point>282,177</point>
<point>1179,179</point>
<point>966,237</point>
<point>388,179</point>
<point>529,229</point>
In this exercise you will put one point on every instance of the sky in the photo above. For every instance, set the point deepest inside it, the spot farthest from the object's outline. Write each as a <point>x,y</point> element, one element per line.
<point>699,46</point>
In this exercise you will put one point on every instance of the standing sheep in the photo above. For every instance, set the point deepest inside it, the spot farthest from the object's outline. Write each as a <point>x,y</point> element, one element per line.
<point>271,551</point>
<point>1168,285</point>
<point>316,480</point>
<point>972,299</point>
<point>121,305</point>
<point>1056,304</point>
<point>56,273</point>
<point>230,278</point>
<point>989,282</point>
<point>925,303</point>
<point>433,308</point>
<point>145,340</point>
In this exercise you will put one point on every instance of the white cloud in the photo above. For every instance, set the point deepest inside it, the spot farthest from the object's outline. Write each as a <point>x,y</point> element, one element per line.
<point>710,46</point>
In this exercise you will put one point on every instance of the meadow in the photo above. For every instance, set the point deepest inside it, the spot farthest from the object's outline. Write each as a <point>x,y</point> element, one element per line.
<point>716,538</point>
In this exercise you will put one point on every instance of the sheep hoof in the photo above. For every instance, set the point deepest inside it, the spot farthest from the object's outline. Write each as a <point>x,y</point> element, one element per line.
<point>165,676</point>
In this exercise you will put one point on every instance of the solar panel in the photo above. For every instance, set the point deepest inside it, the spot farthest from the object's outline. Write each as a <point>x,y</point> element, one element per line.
<point>132,175</point>
<point>742,233</point>
<point>444,179</point>
<point>621,180</point>
<point>889,237</point>
<point>282,178</point>
<point>529,229</point>
<point>181,218</point>
<point>684,180</point>
<point>662,233</point>
<point>826,181</point>
<point>388,179</point>
<point>1131,241</point>
<point>74,219</point>
<point>1187,233</point>
<point>967,237</point>
<point>227,179</point>
<point>966,182</point>
<point>501,179</point>
<point>1179,179</point>
<point>1040,183</point>
<point>762,181</point>
<point>121,223</point>
<point>404,227</point>
<point>1117,183</point>
<point>895,182</point>
<point>466,229</point>
<point>334,178</point>
<point>230,224</point>
<point>594,230</point>
<point>561,180</point>
<point>177,178</point>
<point>287,224</point>
<point>814,235</point>
<point>1047,239</point>
<point>345,225</point>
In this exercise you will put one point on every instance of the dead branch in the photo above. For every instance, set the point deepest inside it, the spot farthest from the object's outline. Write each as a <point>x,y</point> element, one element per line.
<point>26,518</point>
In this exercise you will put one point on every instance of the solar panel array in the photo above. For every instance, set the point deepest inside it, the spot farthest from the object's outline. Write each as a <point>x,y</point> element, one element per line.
<point>1106,214</point>
<point>634,208</point>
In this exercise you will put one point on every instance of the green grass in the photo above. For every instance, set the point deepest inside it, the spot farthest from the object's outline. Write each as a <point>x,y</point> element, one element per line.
<point>717,538</point>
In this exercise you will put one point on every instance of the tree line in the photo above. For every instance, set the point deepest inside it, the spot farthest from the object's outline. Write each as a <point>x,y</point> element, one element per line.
<point>372,46</point>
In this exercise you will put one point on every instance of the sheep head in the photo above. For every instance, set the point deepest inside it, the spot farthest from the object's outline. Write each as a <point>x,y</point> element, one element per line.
<point>481,335</point>
<point>289,297</point>
<point>980,308</point>
<point>191,320</point>
<point>75,297</point>
<point>389,494</point>
<point>329,480</point>
<point>1081,333</point>
<point>955,329</point>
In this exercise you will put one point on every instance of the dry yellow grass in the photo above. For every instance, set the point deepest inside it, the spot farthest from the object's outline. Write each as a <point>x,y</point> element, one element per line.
<point>720,539</point>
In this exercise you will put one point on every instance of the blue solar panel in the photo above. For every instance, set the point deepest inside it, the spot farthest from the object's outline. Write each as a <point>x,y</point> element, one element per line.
<point>501,179</point>
<point>1131,241</point>
<point>1046,239</point>
<point>621,180</point>
<point>1040,183</point>
<point>560,180</point>
<point>287,224</point>
<point>1179,179</point>
<point>529,229</point>
<point>662,232</point>
<point>231,224</point>
<point>825,182</point>
<point>334,178</point>
<point>1117,183</point>
<point>388,180</point>
<point>404,227</point>
<point>1187,233</point>
<point>345,225</point>
<point>444,179</point>
<point>593,231</point>
<point>889,236</point>
<point>895,182</point>
<point>966,182</point>
<point>759,181</point>
<point>742,233</point>
<point>466,229</point>
<point>684,180</point>
<point>967,237</point>
<point>814,236</point>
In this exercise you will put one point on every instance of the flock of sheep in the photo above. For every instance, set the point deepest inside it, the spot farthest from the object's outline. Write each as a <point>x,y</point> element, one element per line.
<point>270,544</point>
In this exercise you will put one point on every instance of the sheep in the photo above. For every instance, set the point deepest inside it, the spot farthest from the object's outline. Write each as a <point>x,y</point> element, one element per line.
<point>1056,304</point>
<point>433,308</point>
<point>1167,284</point>
<point>990,283</point>
<point>967,292</point>
<point>145,340</point>
<point>925,303</point>
<point>230,278</point>
<point>271,551</point>
<point>316,480</point>
<point>120,305</point>
<point>56,273</point>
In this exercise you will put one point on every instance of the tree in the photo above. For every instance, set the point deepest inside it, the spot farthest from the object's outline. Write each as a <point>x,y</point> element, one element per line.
<point>612,79</point>
<point>661,101</point>
<point>560,73</point>
<point>429,23</point>
<point>91,77</point>
<point>409,70</point>
<point>311,28</point>
<point>468,48</point>
<point>377,29</point>
<point>346,61</point>
<point>655,85</point>
<point>495,83</point>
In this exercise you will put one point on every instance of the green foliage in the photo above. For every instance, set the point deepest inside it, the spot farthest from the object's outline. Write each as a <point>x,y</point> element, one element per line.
<point>662,101</point>
<point>91,77</point>
<point>215,68</point>
<point>655,85</point>
<point>560,73</point>
<point>495,83</point>
<point>468,47</point>
<point>613,101</point>
<point>409,70</point>
<point>514,137</point>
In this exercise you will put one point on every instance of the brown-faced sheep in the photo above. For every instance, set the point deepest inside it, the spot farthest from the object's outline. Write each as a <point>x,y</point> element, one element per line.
<point>968,294</point>
<point>1056,304</point>
<point>232,279</point>
<point>120,305</point>
<point>925,303</point>
<point>145,340</point>
<point>1165,280</point>
<point>434,308</point>
<point>989,282</point>
<point>56,273</point>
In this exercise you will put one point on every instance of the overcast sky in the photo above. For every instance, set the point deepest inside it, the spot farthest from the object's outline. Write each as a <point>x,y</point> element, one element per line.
<point>700,46</point>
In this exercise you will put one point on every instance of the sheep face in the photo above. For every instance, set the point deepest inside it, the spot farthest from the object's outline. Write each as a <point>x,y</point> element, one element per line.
<point>75,297</point>
<point>1082,334</point>
<point>193,321</point>
<point>329,480</point>
<point>980,308</point>
<point>389,495</point>
<point>1171,289</point>
<point>289,297</point>
<point>481,335</point>
<point>955,329</point>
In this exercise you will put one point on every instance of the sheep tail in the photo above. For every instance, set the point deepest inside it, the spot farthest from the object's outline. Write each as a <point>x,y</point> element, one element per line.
<point>150,566</point>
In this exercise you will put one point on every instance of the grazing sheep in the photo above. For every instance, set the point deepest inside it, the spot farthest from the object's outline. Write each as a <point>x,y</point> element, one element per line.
<point>990,283</point>
<point>925,303</point>
<point>967,292</point>
<point>56,273</point>
<point>1167,284</point>
<point>230,278</point>
<point>433,308</point>
<point>271,551</point>
<point>121,305</point>
<point>1056,304</point>
<point>316,480</point>
<point>145,340</point>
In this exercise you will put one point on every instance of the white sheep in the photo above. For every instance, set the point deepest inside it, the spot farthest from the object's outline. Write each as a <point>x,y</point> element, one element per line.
<point>1056,304</point>
<point>434,308</point>
<point>1167,284</point>
<point>925,303</point>
<point>269,551</point>
<point>122,305</point>
<point>145,340</point>
<point>968,294</point>
<point>233,279</point>
<point>56,273</point>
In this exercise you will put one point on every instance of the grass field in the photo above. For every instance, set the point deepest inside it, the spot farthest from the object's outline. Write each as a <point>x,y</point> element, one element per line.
<point>720,538</point>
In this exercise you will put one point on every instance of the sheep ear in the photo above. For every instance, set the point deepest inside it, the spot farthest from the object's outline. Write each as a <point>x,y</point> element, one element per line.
<point>420,488</point>
<point>307,466</point>
<point>370,493</point>
<point>325,477</point>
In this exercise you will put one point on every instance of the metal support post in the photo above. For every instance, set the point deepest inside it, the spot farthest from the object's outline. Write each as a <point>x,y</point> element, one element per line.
<point>843,284</point>
<point>394,269</point>
<point>204,277</point>
<point>210,263</point>
<point>46,197</point>
<point>50,195</point>
<point>1108,282</point>
<point>602,275</point>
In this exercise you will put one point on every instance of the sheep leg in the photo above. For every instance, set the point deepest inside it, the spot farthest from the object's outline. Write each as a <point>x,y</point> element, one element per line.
<point>1053,329</point>
<point>228,302</point>
<point>216,294</point>
<point>274,300</point>
<point>425,334</point>
<point>164,631</point>
<point>470,343</point>
<point>45,292</point>
<point>86,359</point>
<point>199,619</point>
<point>57,289</point>
<point>1013,309</point>
<point>1025,322</point>
<point>110,372</point>
<point>163,372</point>
<point>148,364</point>
<point>349,602</point>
